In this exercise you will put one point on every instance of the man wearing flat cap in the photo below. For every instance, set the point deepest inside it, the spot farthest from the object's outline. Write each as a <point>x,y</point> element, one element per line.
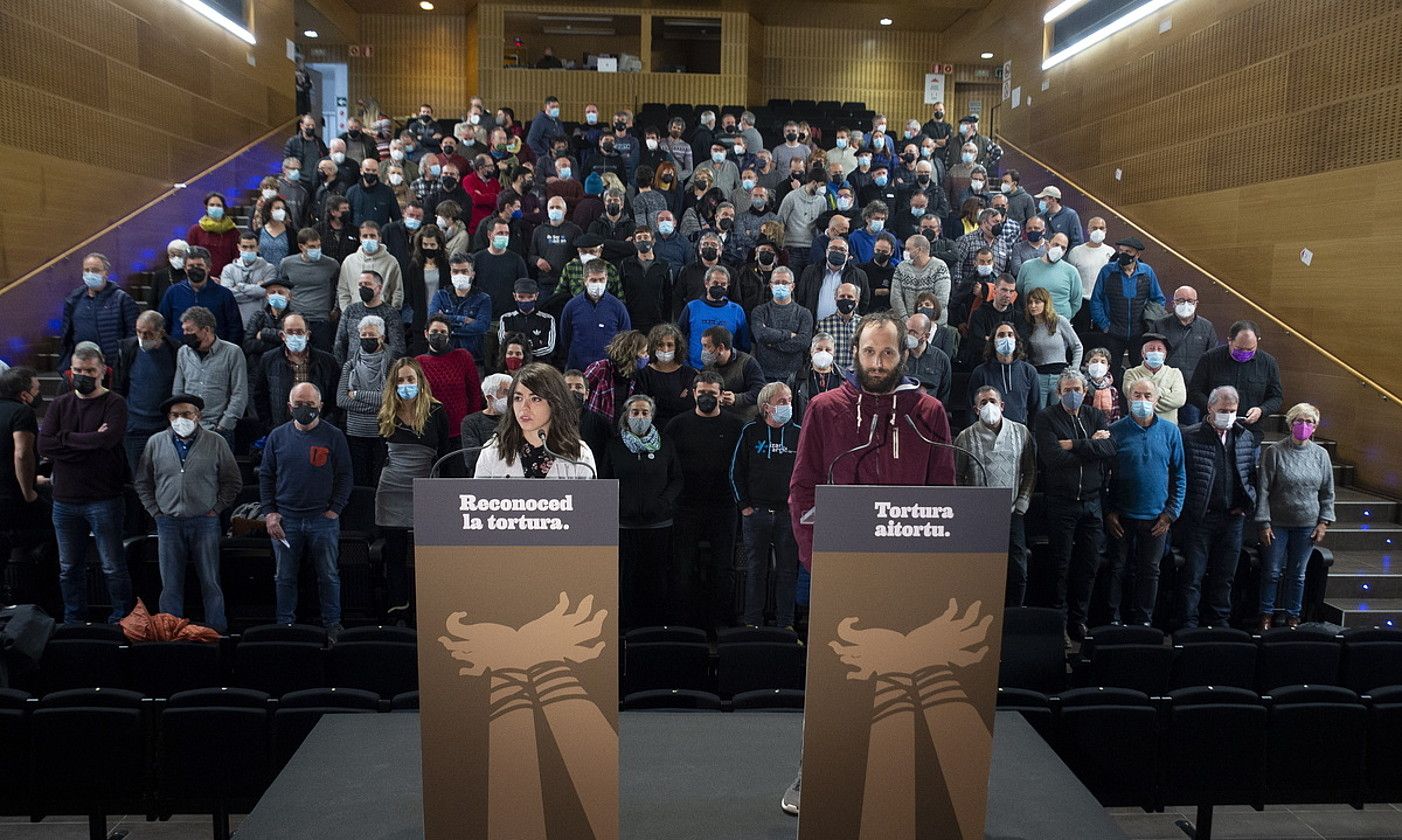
<point>1172,390</point>
<point>187,476</point>
<point>590,247</point>
<point>988,154</point>
<point>1124,290</point>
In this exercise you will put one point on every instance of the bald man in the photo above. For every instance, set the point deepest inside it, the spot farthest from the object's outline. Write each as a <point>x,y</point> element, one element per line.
<point>1088,258</point>
<point>1189,336</point>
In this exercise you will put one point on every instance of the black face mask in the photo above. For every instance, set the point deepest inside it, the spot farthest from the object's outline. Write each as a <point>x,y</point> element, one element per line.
<point>709,254</point>
<point>836,258</point>
<point>922,179</point>
<point>528,185</point>
<point>613,209</point>
<point>196,274</point>
<point>305,414</point>
<point>369,345</point>
<point>792,137</point>
<point>725,223</point>
<point>620,125</point>
<point>370,179</point>
<point>908,158</point>
<point>846,305</point>
<point>939,115</point>
<point>450,184</point>
<point>930,236</point>
<point>354,134</point>
<point>82,383</point>
<point>449,150</point>
<point>1125,260</point>
<point>881,258</point>
<point>644,247</point>
<point>607,148</point>
<point>927,312</point>
<point>716,292</point>
<point>367,294</point>
<point>437,342</point>
<point>190,340</point>
<point>707,402</point>
<point>765,258</point>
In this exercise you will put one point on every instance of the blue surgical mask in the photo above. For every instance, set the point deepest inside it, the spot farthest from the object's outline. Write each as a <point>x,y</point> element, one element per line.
<point>666,228</point>
<point>877,225</point>
<point>747,184</point>
<point>1042,205</point>
<point>313,254</point>
<point>842,142</point>
<point>248,257</point>
<point>278,302</point>
<point>214,211</point>
<point>967,157</point>
<point>295,343</point>
<point>555,214</point>
<point>881,180</point>
<point>369,246</point>
<point>781,291</point>
<point>412,224</point>
<point>718,157</point>
<point>553,113</point>
<point>435,170</point>
<point>1142,409</point>
<point>407,391</point>
<point>1154,359</point>
<point>1005,346</point>
<point>917,212</point>
<point>500,242</point>
<point>564,173</point>
<point>1071,400</point>
<point>782,414</point>
<point>591,118</point>
<point>93,280</point>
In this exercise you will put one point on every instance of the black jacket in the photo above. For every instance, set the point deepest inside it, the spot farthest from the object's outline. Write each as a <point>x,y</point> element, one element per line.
<point>272,382</point>
<point>806,292</point>
<point>1080,472</point>
<point>648,483</point>
<point>1257,382</point>
<point>645,291</point>
<point>1200,446</point>
<point>763,464</point>
<point>121,368</point>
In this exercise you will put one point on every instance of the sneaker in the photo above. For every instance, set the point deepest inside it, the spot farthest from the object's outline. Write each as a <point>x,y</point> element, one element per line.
<point>791,796</point>
<point>333,632</point>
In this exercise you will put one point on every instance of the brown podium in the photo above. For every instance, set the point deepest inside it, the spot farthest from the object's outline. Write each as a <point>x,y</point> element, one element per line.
<point>904,643</point>
<point>517,588</point>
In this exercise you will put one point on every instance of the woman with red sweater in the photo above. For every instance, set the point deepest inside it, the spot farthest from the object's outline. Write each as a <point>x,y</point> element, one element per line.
<point>452,377</point>
<point>216,232</point>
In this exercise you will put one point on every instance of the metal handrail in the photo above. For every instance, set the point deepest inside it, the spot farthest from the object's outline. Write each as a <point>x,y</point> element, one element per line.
<point>1363,378</point>
<point>29,275</point>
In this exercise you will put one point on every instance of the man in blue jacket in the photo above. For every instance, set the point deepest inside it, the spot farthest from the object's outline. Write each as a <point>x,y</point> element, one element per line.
<point>469,310</point>
<point>1148,481</point>
<point>591,319</point>
<point>1124,287</point>
<point>197,290</point>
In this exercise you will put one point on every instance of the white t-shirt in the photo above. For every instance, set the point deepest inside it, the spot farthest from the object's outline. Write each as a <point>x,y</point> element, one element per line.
<point>1088,260</point>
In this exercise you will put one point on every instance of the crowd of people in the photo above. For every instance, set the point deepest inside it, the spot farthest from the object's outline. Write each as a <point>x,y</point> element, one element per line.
<point>664,305</point>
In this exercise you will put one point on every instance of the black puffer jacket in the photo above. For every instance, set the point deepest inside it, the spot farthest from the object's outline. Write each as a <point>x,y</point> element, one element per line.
<point>1199,450</point>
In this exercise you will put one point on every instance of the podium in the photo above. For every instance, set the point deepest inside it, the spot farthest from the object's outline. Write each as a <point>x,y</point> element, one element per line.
<point>904,641</point>
<point>517,590</point>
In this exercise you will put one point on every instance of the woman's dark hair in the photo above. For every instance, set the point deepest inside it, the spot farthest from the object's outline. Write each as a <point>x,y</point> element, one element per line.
<point>990,351</point>
<point>516,338</point>
<point>668,330</point>
<point>549,384</point>
<point>440,256</point>
<point>265,213</point>
<point>223,202</point>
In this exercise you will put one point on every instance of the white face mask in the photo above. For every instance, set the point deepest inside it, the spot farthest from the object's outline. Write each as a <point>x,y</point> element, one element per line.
<point>1223,420</point>
<point>1055,252</point>
<point>595,290</point>
<point>183,426</point>
<point>976,186</point>
<point>269,195</point>
<point>990,413</point>
<point>279,215</point>
<point>442,222</point>
<point>396,154</point>
<point>338,157</point>
<point>462,282</point>
<point>1097,236</point>
<point>396,179</point>
<point>1097,370</point>
<point>177,263</point>
<point>585,257</point>
<point>665,356</point>
<point>1185,310</point>
<point>499,405</point>
<point>822,359</point>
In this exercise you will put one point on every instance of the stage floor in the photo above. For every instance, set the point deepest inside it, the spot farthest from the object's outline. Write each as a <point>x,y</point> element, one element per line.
<point>685,776</point>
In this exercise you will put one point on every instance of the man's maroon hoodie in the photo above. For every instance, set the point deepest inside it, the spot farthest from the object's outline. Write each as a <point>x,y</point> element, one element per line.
<point>838,420</point>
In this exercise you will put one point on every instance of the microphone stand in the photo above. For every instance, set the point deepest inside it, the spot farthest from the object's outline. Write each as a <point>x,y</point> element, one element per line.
<point>972,457</point>
<point>433,471</point>
<point>593,473</point>
<point>807,517</point>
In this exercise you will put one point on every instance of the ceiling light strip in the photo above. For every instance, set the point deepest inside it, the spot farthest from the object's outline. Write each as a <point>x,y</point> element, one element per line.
<point>1122,22</point>
<point>218,17</point>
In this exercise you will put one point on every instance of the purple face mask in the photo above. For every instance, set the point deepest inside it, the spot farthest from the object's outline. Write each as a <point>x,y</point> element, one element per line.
<point>1302,430</point>
<point>1243,355</point>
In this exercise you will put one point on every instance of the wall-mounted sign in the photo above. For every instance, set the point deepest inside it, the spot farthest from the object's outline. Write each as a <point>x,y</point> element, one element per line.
<point>934,88</point>
<point>361,51</point>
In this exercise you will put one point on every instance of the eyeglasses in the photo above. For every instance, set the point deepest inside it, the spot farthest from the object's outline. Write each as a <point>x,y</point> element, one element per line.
<point>1179,300</point>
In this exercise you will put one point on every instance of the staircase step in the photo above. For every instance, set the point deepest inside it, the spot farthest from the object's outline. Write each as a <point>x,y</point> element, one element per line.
<point>1354,506</point>
<point>1363,585</point>
<point>1361,536</point>
<point>1355,612</point>
<point>1343,475</point>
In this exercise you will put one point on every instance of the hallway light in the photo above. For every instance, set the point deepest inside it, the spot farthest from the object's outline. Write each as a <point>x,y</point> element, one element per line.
<point>985,55</point>
<point>215,15</point>
<point>1060,10</point>
<point>885,21</point>
<point>1128,19</point>
<point>425,5</point>
<point>310,33</point>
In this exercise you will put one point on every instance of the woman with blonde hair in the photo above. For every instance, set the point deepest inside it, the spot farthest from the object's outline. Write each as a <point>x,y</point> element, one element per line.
<point>666,184</point>
<point>1052,345</point>
<point>415,428</point>
<point>1294,509</point>
<point>615,377</point>
<point>538,436</point>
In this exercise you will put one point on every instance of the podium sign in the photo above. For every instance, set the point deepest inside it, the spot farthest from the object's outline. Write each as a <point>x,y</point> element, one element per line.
<point>517,585</point>
<point>904,643</point>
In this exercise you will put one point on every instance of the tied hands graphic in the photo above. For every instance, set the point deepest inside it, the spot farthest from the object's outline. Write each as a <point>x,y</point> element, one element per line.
<point>948,641</point>
<point>557,636</point>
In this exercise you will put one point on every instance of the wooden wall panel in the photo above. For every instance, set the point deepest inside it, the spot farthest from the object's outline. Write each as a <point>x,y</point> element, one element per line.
<point>885,68</point>
<point>416,58</point>
<point>118,99</point>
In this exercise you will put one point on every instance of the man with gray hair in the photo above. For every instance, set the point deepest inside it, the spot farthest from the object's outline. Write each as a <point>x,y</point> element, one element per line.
<point>781,328</point>
<point>212,369</point>
<point>1074,448</point>
<point>926,363</point>
<point>1220,500</point>
<point>296,361</point>
<point>82,434</point>
<point>919,272</point>
<point>145,372</point>
<point>759,475</point>
<point>172,271</point>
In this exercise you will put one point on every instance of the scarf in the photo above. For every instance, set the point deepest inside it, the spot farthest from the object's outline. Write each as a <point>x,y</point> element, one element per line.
<point>650,442</point>
<point>223,225</point>
<point>368,372</point>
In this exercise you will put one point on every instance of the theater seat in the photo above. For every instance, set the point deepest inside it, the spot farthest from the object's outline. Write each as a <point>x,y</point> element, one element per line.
<point>1034,706</point>
<point>666,665</point>
<point>1371,659</point>
<point>1108,738</point>
<point>665,633</point>
<point>732,635</point>
<point>161,669</point>
<point>406,702</point>
<point>1384,758</point>
<point>1229,726</point>
<point>15,707</point>
<point>790,699</point>
<point>279,668</point>
<point>1325,726</point>
<point>674,698</point>
<point>82,663</point>
<point>386,668</point>
<point>1139,667</point>
<point>298,712</point>
<point>1290,658</point>
<point>1033,653</point>
<point>285,633</point>
<point>1214,663</point>
<point>82,733</point>
<point>753,666</point>
<point>214,753</point>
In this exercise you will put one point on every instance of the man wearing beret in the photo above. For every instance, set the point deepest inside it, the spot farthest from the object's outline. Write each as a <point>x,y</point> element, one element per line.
<point>186,478</point>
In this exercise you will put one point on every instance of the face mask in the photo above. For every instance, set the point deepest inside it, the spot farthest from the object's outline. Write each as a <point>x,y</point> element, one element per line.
<point>842,142</point>
<point>876,225</point>
<point>553,113</point>
<point>1097,236</point>
<point>1185,310</point>
<point>369,246</point>
<point>707,402</point>
<point>782,414</point>
<point>514,364</point>
<point>93,280</point>
<point>196,274</point>
<point>591,118</point>
<point>966,157</point>
<point>177,263</point>
<point>396,179</point>
<point>739,150</point>
<point>976,186</point>
<point>708,358</point>
<point>84,384</point>
<point>585,257</point>
<point>247,257</point>
<point>269,195</point>
<point>279,215</point>
<point>844,203</point>
<point>837,258</point>
<point>1302,430</point>
<point>846,305</point>
<point>370,345</point>
<point>305,415</point>
<point>338,158</point>
<point>1243,355</point>
<point>292,174</point>
<point>822,360</point>
<point>407,391</point>
<point>644,246</point>
<point>214,211</point>
<point>917,212</point>
<point>911,341</point>
<point>500,242</point>
<point>277,302</point>
<point>435,169</point>
<point>619,125</point>
<point>1141,409</point>
<point>718,157</point>
<point>990,413</point>
<point>564,173</point>
<point>781,292</point>
<point>183,426</point>
<point>984,270</point>
<point>881,180</point>
<point>765,258</point>
<point>1097,370</point>
<point>665,356</point>
<point>367,294</point>
<point>639,426</point>
<point>1034,236</point>
<point>666,228</point>
<point>926,152</point>
<point>1071,400</point>
<point>1006,188</point>
<point>450,183</point>
<point>1124,260</point>
<point>295,343</point>
<point>747,184</point>
<point>1153,359</point>
<point>725,223</point>
<point>709,253</point>
<point>613,209</point>
<point>499,405</point>
<point>881,257</point>
<point>150,345</point>
<point>411,223</point>
<point>594,290</point>
<point>927,312</point>
<point>1223,419</point>
<point>1055,253</point>
<point>313,254</point>
<point>1005,346</point>
<point>864,160</point>
<point>716,292</point>
<point>462,282</point>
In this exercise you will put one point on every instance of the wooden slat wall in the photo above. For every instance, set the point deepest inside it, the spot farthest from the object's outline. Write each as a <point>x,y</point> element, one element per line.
<point>416,58</point>
<point>885,68</point>
<point>1248,131</point>
<point>112,101</point>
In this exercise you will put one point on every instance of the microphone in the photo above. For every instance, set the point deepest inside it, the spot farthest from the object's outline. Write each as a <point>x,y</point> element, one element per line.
<point>593,473</point>
<point>433,472</point>
<point>972,457</point>
<point>871,435</point>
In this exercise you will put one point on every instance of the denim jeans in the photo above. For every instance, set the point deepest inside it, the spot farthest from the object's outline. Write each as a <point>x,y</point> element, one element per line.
<point>135,443</point>
<point>1016,591</point>
<point>183,539</point>
<point>1074,528</point>
<point>1048,381</point>
<point>767,529</point>
<point>1210,551</point>
<point>1290,553</point>
<point>1135,559</point>
<point>320,538</point>
<point>701,588</point>
<point>72,524</point>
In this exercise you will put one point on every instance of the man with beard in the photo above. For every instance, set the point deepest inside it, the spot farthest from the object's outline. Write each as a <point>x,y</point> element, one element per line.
<point>883,414</point>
